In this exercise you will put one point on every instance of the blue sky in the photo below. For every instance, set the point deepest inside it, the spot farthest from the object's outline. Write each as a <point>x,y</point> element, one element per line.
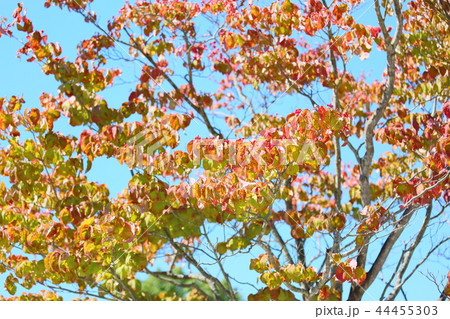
<point>21,77</point>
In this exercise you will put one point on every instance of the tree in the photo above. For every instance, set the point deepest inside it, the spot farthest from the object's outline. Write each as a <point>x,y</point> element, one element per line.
<point>304,195</point>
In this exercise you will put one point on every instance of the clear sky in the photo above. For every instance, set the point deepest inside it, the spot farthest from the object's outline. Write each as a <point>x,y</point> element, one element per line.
<point>23,78</point>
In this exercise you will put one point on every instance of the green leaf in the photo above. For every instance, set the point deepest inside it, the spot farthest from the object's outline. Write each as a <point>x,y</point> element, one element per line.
<point>10,284</point>
<point>221,248</point>
<point>88,166</point>
<point>123,271</point>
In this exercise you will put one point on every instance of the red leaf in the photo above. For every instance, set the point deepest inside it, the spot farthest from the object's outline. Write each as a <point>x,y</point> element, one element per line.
<point>446,109</point>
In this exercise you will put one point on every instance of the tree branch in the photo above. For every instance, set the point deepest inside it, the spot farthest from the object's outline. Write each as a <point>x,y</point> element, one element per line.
<point>357,291</point>
<point>196,108</point>
<point>222,269</point>
<point>282,245</point>
<point>369,130</point>
<point>172,279</point>
<point>406,257</point>
<point>212,281</point>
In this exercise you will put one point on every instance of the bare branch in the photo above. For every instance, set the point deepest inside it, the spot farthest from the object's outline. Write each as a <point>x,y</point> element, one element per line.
<point>282,245</point>
<point>357,291</point>
<point>198,109</point>
<point>406,257</point>
<point>84,292</point>
<point>222,269</point>
<point>242,96</point>
<point>212,281</point>
<point>425,258</point>
<point>173,279</point>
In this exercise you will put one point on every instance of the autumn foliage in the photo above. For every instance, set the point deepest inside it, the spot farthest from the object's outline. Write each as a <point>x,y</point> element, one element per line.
<point>301,182</point>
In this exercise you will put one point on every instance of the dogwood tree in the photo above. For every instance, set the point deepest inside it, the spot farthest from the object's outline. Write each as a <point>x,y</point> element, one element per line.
<point>319,201</point>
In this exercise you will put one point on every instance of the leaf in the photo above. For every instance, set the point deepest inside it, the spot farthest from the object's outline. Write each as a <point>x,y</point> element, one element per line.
<point>271,279</point>
<point>52,157</point>
<point>360,275</point>
<point>259,264</point>
<point>135,284</point>
<point>71,263</point>
<point>93,268</point>
<point>261,295</point>
<point>221,248</point>
<point>10,284</point>
<point>34,116</point>
<point>123,271</point>
<point>286,295</point>
<point>336,258</point>
<point>342,273</point>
